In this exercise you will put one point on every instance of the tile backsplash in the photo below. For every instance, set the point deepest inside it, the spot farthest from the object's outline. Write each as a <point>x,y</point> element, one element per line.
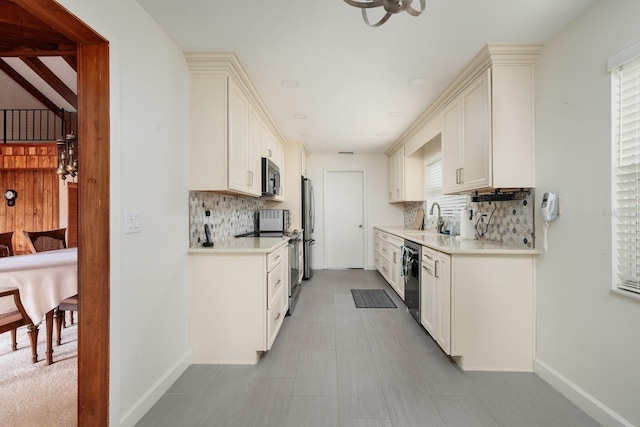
<point>511,222</point>
<point>230,215</point>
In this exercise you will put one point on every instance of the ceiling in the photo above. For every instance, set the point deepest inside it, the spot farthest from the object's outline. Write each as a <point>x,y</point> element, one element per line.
<point>38,57</point>
<point>353,78</point>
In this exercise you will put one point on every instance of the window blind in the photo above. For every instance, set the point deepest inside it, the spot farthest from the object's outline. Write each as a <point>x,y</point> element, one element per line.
<point>626,104</point>
<point>450,206</point>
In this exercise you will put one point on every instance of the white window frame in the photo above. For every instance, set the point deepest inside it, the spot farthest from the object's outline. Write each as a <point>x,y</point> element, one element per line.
<point>451,205</point>
<point>629,57</point>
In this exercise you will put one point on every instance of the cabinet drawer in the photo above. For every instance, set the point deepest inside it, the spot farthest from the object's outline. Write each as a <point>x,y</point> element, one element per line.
<point>395,241</point>
<point>386,250</point>
<point>376,261</point>
<point>275,257</point>
<point>429,255</point>
<point>275,316</point>
<point>377,244</point>
<point>275,284</point>
<point>385,268</point>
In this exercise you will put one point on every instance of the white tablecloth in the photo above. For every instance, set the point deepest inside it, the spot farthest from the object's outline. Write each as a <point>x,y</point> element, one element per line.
<point>44,279</point>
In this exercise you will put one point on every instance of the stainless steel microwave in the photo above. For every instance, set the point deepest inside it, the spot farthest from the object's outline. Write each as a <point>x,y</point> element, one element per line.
<point>270,178</point>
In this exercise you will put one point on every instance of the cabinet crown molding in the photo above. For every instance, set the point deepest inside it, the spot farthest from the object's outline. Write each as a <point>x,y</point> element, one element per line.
<point>228,62</point>
<point>492,54</point>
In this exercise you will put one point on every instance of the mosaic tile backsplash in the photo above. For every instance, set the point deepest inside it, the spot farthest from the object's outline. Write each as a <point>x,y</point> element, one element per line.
<point>511,222</point>
<point>229,215</point>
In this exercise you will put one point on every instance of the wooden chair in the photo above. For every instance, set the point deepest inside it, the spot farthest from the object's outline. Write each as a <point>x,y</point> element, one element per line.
<point>6,247</point>
<point>12,316</point>
<point>42,241</point>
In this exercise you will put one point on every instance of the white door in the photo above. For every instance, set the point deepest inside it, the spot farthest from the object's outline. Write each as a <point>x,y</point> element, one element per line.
<point>344,213</point>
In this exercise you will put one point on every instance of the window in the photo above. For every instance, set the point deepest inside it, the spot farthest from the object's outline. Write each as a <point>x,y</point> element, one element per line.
<point>450,206</point>
<point>626,176</point>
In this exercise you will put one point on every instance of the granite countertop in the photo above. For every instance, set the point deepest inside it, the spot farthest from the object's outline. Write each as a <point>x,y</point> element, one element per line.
<point>242,245</point>
<point>457,245</point>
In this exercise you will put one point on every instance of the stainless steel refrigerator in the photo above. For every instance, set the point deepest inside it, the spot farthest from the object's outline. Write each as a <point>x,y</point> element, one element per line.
<point>308,223</point>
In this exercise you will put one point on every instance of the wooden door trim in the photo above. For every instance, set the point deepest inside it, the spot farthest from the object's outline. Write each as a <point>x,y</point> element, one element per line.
<point>93,208</point>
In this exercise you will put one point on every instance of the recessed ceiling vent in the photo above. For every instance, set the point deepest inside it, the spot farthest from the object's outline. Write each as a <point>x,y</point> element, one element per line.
<point>345,152</point>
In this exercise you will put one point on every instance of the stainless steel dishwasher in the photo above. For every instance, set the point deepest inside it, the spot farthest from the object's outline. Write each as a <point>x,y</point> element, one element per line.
<point>411,254</point>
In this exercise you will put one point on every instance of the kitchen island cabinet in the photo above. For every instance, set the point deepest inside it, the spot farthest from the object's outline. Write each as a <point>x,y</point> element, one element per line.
<point>478,302</point>
<point>239,298</point>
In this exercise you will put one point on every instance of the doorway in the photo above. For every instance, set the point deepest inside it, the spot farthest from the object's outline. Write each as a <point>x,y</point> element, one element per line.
<point>93,206</point>
<point>344,219</point>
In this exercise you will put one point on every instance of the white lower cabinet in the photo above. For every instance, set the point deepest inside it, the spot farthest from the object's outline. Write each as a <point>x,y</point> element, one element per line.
<point>238,304</point>
<point>388,260</point>
<point>435,296</point>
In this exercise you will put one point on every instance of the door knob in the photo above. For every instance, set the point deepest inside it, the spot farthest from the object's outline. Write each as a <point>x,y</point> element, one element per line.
<point>360,226</point>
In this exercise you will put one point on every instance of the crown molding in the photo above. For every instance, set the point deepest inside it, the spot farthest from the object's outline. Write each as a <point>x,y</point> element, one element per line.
<point>228,63</point>
<point>493,54</point>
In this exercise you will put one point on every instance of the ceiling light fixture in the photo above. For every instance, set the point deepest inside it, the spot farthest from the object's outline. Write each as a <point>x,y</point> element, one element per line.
<point>300,116</point>
<point>289,83</point>
<point>395,114</point>
<point>67,156</point>
<point>416,81</point>
<point>390,6</point>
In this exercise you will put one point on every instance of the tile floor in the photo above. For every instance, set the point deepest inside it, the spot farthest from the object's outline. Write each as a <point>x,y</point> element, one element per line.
<point>335,365</point>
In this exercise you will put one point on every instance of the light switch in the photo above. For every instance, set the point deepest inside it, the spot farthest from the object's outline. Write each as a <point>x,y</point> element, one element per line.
<point>132,223</point>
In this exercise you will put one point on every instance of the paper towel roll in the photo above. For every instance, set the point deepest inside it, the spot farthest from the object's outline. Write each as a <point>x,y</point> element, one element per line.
<point>467,230</point>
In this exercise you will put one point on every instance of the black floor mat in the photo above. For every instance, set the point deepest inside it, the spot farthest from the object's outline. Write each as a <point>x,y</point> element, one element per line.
<point>372,298</point>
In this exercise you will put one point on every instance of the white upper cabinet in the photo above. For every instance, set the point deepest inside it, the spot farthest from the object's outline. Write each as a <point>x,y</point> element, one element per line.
<point>230,128</point>
<point>466,138</point>
<point>405,177</point>
<point>486,120</point>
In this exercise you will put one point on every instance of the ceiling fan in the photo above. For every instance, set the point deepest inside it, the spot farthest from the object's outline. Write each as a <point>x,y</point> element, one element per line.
<point>390,6</point>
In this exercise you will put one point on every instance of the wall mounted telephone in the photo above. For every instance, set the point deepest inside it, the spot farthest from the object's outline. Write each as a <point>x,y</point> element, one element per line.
<point>550,211</point>
<point>549,207</point>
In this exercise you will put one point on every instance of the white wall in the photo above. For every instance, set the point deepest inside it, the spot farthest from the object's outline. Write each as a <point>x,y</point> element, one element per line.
<point>14,96</point>
<point>587,336</point>
<point>377,210</point>
<point>149,278</point>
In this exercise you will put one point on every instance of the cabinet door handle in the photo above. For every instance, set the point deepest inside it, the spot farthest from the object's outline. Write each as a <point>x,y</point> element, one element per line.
<point>428,269</point>
<point>430,258</point>
<point>461,175</point>
<point>269,150</point>
<point>394,257</point>
<point>278,316</point>
<point>436,269</point>
<point>384,269</point>
<point>278,282</point>
<point>250,178</point>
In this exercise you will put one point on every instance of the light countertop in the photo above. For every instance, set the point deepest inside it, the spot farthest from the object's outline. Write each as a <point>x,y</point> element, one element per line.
<point>243,245</point>
<point>457,245</point>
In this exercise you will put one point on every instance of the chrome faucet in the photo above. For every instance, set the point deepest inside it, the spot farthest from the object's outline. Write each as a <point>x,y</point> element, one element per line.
<point>440,220</point>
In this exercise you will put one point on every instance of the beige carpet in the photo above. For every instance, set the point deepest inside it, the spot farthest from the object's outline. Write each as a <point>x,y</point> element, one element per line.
<point>35,394</point>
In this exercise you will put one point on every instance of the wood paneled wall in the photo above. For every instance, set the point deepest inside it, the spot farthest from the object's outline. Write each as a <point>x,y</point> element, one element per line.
<point>30,170</point>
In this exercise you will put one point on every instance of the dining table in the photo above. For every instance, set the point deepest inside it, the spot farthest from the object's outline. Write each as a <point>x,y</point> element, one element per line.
<point>44,280</point>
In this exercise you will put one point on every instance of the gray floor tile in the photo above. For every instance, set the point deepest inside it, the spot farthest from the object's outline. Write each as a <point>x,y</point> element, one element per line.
<point>463,411</point>
<point>320,336</point>
<point>359,391</point>
<point>443,377</point>
<point>409,403</point>
<point>194,380</point>
<point>348,319</point>
<point>316,374</point>
<point>171,409</point>
<point>344,422</point>
<point>397,375</point>
<point>352,346</point>
<point>225,393</point>
<point>312,411</point>
<point>265,402</point>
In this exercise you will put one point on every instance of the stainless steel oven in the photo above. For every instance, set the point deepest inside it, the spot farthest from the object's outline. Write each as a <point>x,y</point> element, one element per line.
<point>295,270</point>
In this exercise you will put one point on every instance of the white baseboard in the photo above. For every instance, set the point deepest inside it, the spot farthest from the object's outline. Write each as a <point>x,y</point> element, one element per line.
<point>589,404</point>
<point>155,392</point>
